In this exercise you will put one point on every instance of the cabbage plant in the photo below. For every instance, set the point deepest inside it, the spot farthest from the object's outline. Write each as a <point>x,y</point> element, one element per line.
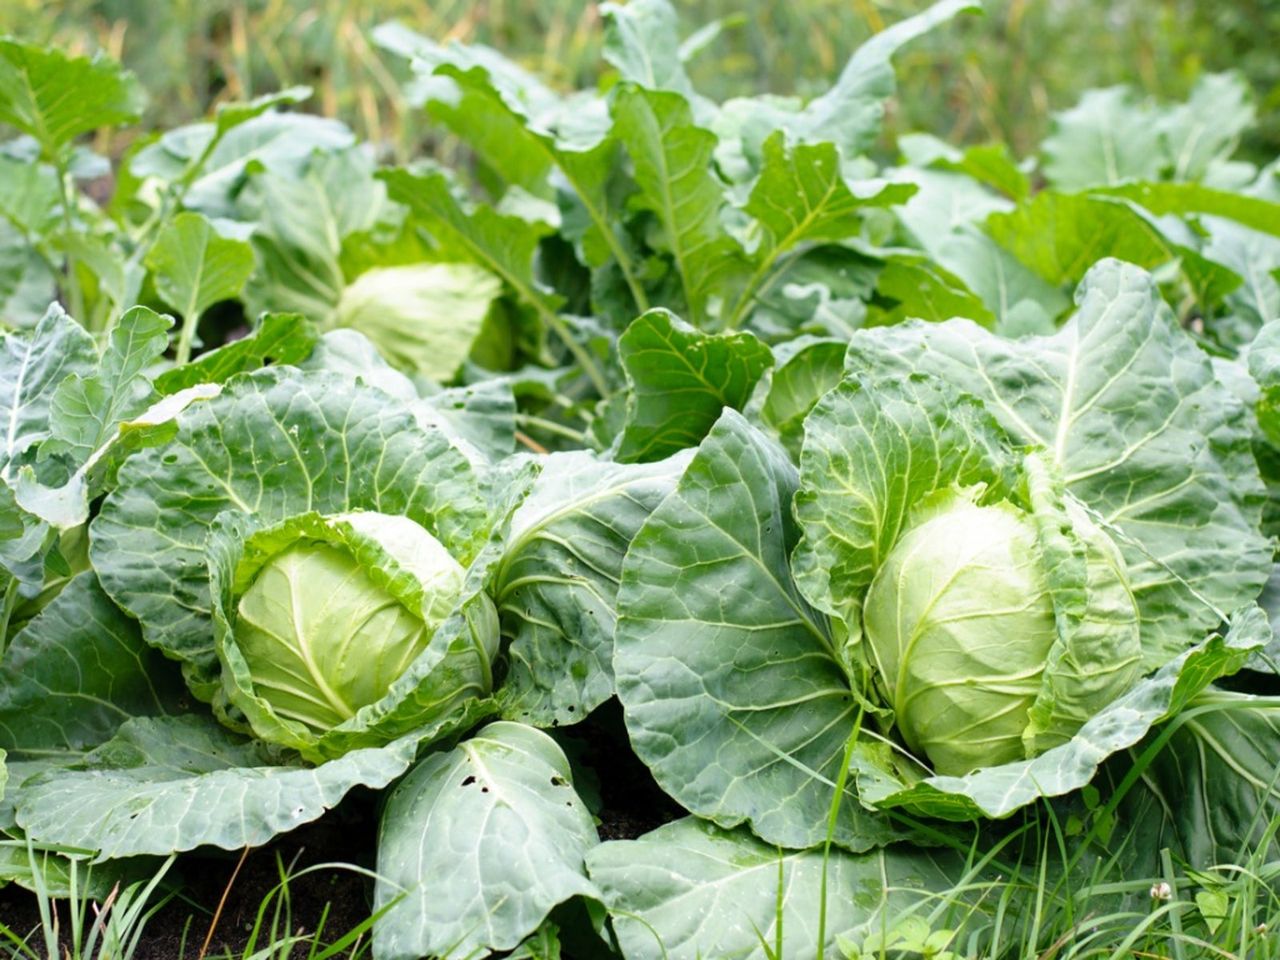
<point>998,563</point>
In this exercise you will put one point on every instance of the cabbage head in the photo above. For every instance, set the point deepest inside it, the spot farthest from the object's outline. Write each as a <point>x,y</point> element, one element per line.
<point>962,623</point>
<point>328,613</point>
<point>422,317</point>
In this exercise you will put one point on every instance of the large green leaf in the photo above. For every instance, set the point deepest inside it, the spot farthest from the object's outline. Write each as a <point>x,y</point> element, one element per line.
<point>1183,198</point>
<point>1211,792</point>
<point>32,366</point>
<point>478,844</point>
<point>87,410</point>
<point>732,692</point>
<point>1129,410</point>
<point>300,223</point>
<point>680,380</point>
<point>504,245</point>
<point>283,144</point>
<point>193,267</point>
<point>54,97</point>
<point>74,673</point>
<point>849,114</point>
<point>690,890</point>
<point>165,785</point>
<point>277,338</point>
<point>672,159</point>
<point>29,196</point>
<point>1060,236</point>
<point>557,586</point>
<point>276,443</point>
<point>642,42</point>
<point>1106,139</point>
<point>593,216</point>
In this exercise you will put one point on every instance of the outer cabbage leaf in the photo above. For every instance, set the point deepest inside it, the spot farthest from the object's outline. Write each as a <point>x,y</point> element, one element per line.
<point>557,585</point>
<point>690,890</point>
<point>728,678</point>
<point>274,444</point>
<point>1130,413</point>
<point>164,785</point>
<point>478,844</point>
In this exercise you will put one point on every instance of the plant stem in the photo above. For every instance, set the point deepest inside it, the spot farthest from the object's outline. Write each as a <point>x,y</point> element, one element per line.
<point>550,426</point>
<point>75,296</point>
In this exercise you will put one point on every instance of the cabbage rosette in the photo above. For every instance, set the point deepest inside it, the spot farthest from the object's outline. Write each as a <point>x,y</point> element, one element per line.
<point>316,559</point>
<point>995,566</point>
<point>323,624</point>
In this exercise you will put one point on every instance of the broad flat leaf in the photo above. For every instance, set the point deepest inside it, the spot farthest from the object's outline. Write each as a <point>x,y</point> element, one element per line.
<point>423,317</point>
<point>352,355</point>
<point>480,414</point>
<point>1256,258</point>
<point>672,159</point>
<point>166,785</point>
<point>194,268</point>
<point>1128,408</point>
<point>32,365</point>
<point>86,410</point>
<point>593,219</point>
<point>680,380</point>
<point>75,672</point>
<point>55,98</point>
<point>642,42</point>
<point>1211,790</point>
<point>732,693</point>
<point>999,791</point>
<point>801,376</point>
<point>872,450</point>
<point>283,144</point>
<point>997,278</point>
<point>921,290</point>
<point>1108,138</point>
<point>557,586</point>
<point>1183,198</point>
<point>299,226</point>
<point>1060,236</point>
<point>278,338</point>
<point>481,842</point>
<point>802,196</point>
<point>990,164</point>
<point>1208,126</point>
<point>29,196</point>
<point>320,442</point>
<point>469,105</point>
<point>942,204</point>
<point>27,284</point>
<point>690,890</point>
<point>67,506</point>
<point>850,112</point>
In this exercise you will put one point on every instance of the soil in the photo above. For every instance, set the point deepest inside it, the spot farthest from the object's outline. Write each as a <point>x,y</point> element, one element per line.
<point>614,783</point>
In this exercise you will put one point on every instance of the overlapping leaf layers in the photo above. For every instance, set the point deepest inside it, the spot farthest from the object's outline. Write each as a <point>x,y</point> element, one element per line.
<point>875,587</point>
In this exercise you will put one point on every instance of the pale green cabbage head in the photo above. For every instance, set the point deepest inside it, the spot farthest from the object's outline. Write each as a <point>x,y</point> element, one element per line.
<point>981,660</point>
<point>331,611</point>
<point>422,317</point>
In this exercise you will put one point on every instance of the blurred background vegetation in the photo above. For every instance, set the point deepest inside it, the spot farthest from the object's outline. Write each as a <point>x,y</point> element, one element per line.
<point>997,77</point>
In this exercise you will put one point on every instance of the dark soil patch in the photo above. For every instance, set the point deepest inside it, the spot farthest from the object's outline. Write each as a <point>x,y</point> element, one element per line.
<point>340,897</point>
